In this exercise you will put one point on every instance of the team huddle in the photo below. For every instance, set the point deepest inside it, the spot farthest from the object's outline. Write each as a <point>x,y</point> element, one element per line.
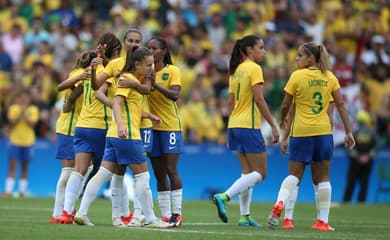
<point>119,110</point>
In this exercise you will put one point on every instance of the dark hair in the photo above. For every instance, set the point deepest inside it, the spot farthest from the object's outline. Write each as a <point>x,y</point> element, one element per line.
<point>319,53</point>
<point>240,51</point>
<point>134,55</point>
<point>132,30</point>
<point>164,45</point>
<point>85,58</point>
<point>112,42</point>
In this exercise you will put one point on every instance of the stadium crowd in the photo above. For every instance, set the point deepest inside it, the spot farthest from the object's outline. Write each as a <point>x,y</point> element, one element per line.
<point>40,40</point>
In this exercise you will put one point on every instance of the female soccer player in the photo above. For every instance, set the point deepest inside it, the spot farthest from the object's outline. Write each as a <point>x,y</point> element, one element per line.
<point>90,131</point>
<point>310,89</point>
<point>247,105</point>
<point>167,138</point>
<point>123,144</point>
<point>66,123</point>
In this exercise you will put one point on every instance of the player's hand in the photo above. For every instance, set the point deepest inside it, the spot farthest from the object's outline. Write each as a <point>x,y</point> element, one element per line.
<point>86,74</point>
<point>126,82</point>
<point>284,146</point>
<point>123,132</point>
<point>101,50</point>
<point>349,141</point>
<point>156,120</point>
<point>276,135</point>
<point>96,61</point>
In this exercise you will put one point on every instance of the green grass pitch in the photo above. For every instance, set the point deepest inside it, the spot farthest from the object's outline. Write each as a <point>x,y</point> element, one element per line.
<point>28,218</point>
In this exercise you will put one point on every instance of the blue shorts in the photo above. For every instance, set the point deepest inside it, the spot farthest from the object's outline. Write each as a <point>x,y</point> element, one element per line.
<point>311,149</point>
<point>90,140</point>
<point>166,142</point>
<point>124,151</point>
<point>64,147</point>
<point>20,153</point>
<point>147,139</point>
<point>245,140</point>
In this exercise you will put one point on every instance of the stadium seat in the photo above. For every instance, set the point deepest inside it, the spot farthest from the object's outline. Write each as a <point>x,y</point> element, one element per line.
<point>383,170</point>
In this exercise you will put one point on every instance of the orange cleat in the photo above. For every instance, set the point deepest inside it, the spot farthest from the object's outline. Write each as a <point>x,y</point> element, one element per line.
<point>66,218</point>
<point>273,218</point>
<point>322,226</point>
<point>288,224</point>
<point>55,220</point>
<point>165,219</point>
<point>127,220</point>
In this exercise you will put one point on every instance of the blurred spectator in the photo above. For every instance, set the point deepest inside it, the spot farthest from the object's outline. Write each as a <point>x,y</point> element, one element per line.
<point>382,116</point>
<point>35,36</point>
<point>13,43</point>
<point>361,158</point>
<point>5,60</point>
<point>376,54</point>
<point>342,70</point>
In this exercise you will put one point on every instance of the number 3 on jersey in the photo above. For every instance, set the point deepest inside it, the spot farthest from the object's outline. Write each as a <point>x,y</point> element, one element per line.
<point>317,96</point>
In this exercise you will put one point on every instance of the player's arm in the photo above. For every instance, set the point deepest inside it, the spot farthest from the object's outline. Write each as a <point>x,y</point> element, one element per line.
<point>97,81</point>
<point>143,88</point>
<point>339,103</point>
<point>173,92</point>
<point>101,95</point>
<point>68,104</point>
<point>71,82</point>
<point>155,119</point>
<point>231,103</point>
<point>265,112</point>
<point>123,132</point>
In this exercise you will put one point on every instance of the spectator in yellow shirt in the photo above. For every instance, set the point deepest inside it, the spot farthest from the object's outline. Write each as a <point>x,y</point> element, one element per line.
<point>22,116</point>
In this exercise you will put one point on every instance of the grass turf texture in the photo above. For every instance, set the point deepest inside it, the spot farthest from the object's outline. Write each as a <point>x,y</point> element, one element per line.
<point>28,218</point>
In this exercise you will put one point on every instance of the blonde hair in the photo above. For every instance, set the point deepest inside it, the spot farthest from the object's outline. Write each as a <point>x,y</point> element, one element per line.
<point>320,55</point>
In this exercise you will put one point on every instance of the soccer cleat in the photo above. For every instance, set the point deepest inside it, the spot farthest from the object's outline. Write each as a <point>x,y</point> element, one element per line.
<point>83,220</point>
<point>248,221</point>
<point>288,224</point>
<point>273,218</point>
<point>66,218</point>
<point>176,220</point>
<point>158,223</point>
<point>322,226</point>
<point>55,220</point>
<point>127,220</point>
<point>118,222</point>
<point>219,201</point>
<point>136,222</point>
<point>165,219</point>
<point>6,195</point>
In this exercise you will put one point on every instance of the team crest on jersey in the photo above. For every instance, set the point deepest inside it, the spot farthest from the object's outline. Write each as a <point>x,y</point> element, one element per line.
<point>165,76</point>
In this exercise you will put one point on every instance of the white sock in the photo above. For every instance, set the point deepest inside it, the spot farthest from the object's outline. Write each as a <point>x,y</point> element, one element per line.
<point>92,189</point>
<point>243,183</point>
<point>290,203</point>
<point>125,201</point>
<point>316,200</point>
<point>164,202</point>
<point>137,207</point>
<point>177,199</point>
<point>9,184</point>
<point>60,191</point>
<point>23,186</point>
<point>288,185</point>
<point>116,195</point>
<point>144,195</point>
<point>324,197</point>
<point>245,198</point>
<point>72,190</point>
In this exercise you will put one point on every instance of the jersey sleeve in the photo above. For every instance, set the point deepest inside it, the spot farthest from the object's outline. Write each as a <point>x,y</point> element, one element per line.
<point>290,87</point>
<point>122,92</point>
<point>175,79</point>
<point>256,75</point>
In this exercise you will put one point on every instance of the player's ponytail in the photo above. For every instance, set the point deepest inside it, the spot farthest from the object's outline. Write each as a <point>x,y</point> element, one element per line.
<point>240,53</point>
<point>320,55</point>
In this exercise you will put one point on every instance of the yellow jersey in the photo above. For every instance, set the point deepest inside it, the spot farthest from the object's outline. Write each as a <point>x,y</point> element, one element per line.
<point>312,92</point>
<point>95,114</point>
<point>131,111</point>
<point>245,112</point>
<point>162,106</point>
<point>22,134</point>
<point>66,122</point>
